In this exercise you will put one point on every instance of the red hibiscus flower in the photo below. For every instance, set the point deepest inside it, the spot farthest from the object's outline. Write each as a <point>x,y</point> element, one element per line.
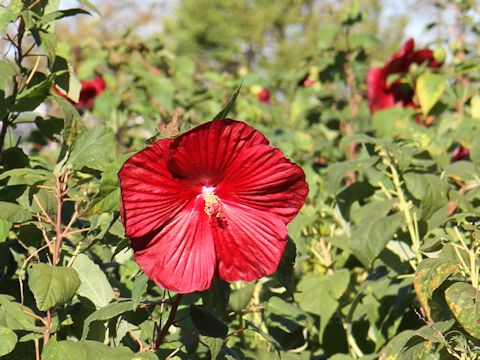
<point>382,95</point>
<point>90,90</point>
<point>460,153</point>
<point>264,96</point>
<point>308,82</point>
<point>215,201</point>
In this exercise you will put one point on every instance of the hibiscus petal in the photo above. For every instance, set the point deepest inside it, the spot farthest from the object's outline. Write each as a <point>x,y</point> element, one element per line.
<point>249,243</point>
<point>377,91</point>
<point>263,179</point>
<point>401,60</point>
<point>151,196</point>
<point>181,257</point>
<point>203,153</point>
<point>426,55</point>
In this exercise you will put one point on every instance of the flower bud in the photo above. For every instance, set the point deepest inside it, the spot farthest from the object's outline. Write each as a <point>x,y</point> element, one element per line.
<point>439,54</point>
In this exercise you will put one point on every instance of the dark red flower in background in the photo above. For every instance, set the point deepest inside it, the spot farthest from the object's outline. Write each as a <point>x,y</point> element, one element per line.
<point>382,95</point>
<point>460,153</point>
<point>215,201</point>
<point>90,90</point>
<point>264,96</point>
<point>308,82</point>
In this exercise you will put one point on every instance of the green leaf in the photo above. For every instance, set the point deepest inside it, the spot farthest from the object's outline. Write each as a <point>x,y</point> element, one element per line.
<point>263,334</point>
<point>373,232</point>
<point>31,98</point>
<point>13,212</point>
<point>25,176</point>
<point>341,357</point>
<point>108,312</point>
<point>421,350</point>
<point>391,122</point>
<point>428,332</point>
<point>284,315</point>
<point>214,344</point>
<point>46,198</point>
<point>140,285</point>
<point>8,340</point>
<point>46,40</point>
<point>77,350</point>
<point>229,106</point>
<point>9,14</point>
<point>146,355</point>
<point>52,285</point>
<point>73,123</point>
<point>90,147</point>
<point>60,14</point>
<point>7,71</point>
<point>240,298</point>
<point>217,296</point>
<point>325,35</point>
<point>328,288</point>
<point>65,78</point>
<point>430,274</point>
<point>94,284</point>
<point>430,190</point>
<point>122,245</point>
<point>5,227</point>
<point>475,107</point>
<point>50,127</point>
<point>430,87</point>
<point>108,197</point>
<point>17,318</point>
<point>462,300</point>
<point>90,6</point>
<point>207,323</point>
<point>284,272</point>
<point>363,39</point>
<point>462,171</point>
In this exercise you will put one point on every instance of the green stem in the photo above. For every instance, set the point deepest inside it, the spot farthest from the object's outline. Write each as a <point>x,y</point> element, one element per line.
<point>404,206</point>
<point>355,351</point>
<point>472,258</point>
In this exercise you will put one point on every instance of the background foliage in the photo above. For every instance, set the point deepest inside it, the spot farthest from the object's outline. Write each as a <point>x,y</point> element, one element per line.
<point>382,261</point>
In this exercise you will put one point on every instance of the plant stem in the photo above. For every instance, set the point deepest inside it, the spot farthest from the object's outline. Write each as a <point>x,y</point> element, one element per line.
<point>60,191</point>
<point>170,321</point>
<point>58,224</point>
<point>403,205</point>
<point>3,131</point>
<point>48,322</point>
<point>354,104</point>
<point>8,119</point>
<point>355,351</point>
<point>471,256</point>
<point>37,350</point>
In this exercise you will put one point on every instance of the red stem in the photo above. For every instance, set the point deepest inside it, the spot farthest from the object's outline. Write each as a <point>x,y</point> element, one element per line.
<point>58,224</point>
<point>170,321</point>
<point>48,322</point>
<point>59,192</point>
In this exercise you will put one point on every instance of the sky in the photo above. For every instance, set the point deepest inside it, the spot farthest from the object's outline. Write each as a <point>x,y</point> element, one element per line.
<point>415,28</point>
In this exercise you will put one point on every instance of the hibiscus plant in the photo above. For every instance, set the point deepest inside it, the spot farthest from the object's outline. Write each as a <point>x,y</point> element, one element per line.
<point>250,180</point>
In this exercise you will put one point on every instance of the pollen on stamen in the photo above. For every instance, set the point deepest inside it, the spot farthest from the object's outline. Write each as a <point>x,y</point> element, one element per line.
<point>213,206</point>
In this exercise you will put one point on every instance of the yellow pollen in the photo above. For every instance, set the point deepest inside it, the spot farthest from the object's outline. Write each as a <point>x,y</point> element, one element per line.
<point>213,206</point>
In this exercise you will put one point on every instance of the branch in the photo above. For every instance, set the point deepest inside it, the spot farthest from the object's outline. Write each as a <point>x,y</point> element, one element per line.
<point>170,321</point>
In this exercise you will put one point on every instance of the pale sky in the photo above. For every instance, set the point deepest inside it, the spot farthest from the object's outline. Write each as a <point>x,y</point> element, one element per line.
<point>415,28</point>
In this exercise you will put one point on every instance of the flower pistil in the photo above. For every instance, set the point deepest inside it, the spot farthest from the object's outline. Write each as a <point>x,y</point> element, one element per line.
<point>213,206</point>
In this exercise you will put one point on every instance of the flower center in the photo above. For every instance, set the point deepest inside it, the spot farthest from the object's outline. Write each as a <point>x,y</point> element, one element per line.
<point>213,206</point>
